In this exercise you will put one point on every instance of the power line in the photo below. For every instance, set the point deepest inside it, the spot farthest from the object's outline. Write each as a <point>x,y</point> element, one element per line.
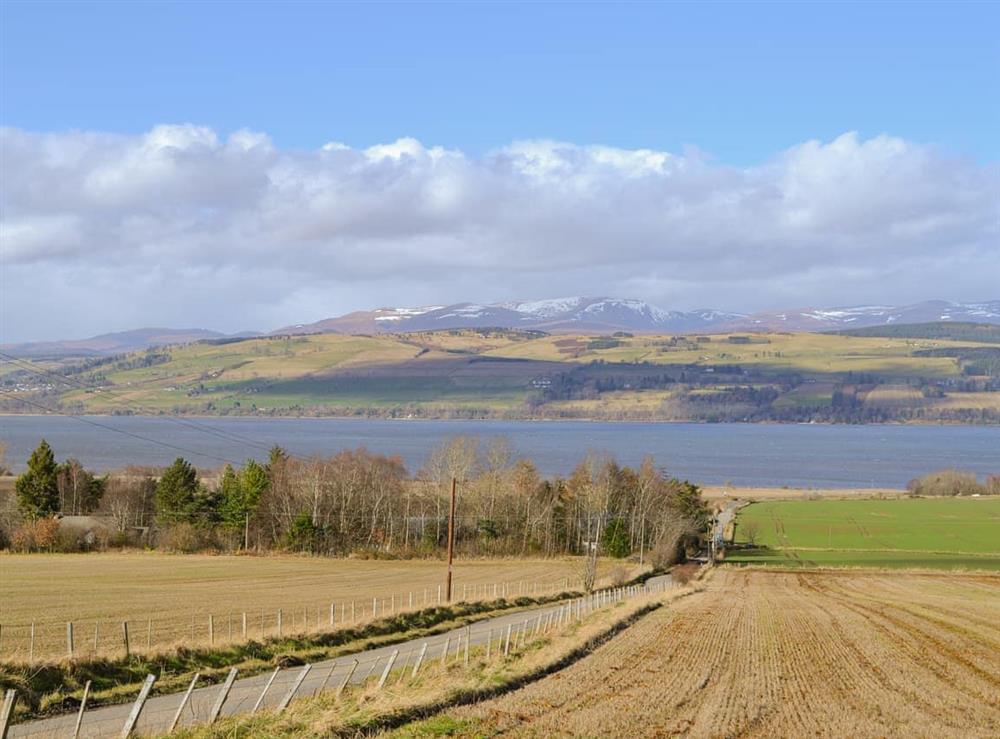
<point>42,372</point>
<point>98,424</point>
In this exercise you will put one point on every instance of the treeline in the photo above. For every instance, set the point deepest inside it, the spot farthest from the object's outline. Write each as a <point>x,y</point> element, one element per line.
<point>951,483</point>
<point>360,503</point>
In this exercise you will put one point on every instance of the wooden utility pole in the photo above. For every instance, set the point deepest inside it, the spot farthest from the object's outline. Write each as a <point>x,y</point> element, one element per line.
<point>451,539</point>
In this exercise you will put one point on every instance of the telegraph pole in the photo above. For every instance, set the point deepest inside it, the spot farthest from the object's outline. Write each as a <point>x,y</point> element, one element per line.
<point>451,539</point>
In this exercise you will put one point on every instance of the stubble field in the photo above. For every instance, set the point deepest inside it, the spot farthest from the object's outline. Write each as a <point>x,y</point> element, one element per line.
<point>168,598</point>
<point>767,653</point>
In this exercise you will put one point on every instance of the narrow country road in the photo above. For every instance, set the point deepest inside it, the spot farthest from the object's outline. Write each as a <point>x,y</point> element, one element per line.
<point>159,711</point>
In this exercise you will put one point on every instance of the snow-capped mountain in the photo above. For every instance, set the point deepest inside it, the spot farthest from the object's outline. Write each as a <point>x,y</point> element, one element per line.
<point>828,319</point>
<point>562,315</point>
<point>606,315</point>
<point>559,315</point>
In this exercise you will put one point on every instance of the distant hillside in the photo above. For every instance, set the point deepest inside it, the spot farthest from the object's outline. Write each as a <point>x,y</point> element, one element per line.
<point>575,315</point>
<point>121,342</point>
<point>488,373</point>
<point>962,331</point>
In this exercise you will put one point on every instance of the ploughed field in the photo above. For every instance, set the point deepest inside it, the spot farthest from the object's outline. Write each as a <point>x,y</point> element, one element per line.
<point>778,653</point>
<point>906,532</point>
<point>167,599</point>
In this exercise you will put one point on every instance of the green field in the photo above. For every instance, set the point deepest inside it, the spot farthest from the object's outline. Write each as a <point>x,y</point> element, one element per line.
<point>917,532</point>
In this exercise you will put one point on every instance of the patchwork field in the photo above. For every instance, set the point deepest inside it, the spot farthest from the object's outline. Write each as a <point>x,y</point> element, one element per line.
<point>761,654</point>
<point>511,374</point>
<point>173,595</point>
<point>904,532</point>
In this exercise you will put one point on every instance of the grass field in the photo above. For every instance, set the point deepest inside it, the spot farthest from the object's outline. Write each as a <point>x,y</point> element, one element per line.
<point>762,654</point>
<point>178,592</point>
<point>470,372</point>
<point>906,532</point>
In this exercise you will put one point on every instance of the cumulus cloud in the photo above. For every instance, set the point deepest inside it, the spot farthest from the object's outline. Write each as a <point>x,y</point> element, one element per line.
<point>183,226</point>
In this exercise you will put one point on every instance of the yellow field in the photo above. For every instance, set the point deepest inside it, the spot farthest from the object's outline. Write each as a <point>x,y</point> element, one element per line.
<point>175,594</point>
<point>762,654</point>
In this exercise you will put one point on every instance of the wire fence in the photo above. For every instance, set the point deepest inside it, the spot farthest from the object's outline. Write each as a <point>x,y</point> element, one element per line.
<point>42,640</point>
<point>470,647</point>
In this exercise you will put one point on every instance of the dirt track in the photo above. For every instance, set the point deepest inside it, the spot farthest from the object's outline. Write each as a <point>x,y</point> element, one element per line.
<point>763,654</point>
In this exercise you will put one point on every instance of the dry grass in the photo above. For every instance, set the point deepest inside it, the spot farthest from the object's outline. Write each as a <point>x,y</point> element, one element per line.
<point>178,592</point>
<point>363,710</point>
<point>764,654</point>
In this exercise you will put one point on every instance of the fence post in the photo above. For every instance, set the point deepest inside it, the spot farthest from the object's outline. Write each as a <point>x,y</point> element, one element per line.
<point>184,700</point>
<point>69,639</point>
<point>244,625</point>
<point>83,707</point>
<point>420,659</point>
<point>125,636</point>
<point>31,644</point>
<point>9,699</point>
<point>468,635</point>
<point>294,689</point>
<point>332,615</point>
<point>439,595</point>
<point>374,607</point>
<point>211,630</point>
<point>489,644</point>
<point>223,694</point>
<point>388,668</point>
<point>326,679</point>
<point>444,652</point>
<point>133,716</point>
<point>411,600</point>
<point>506,646</point>
<point>347,678</point>
<point>97,627</point>
<point>279,623</point>
<point>267,686</point>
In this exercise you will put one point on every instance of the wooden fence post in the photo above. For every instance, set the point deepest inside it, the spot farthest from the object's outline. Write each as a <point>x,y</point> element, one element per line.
<point>388,668</point>
<point>468,636</point>
<point>347,678</point>
<point>149,634</point>
<point>267,686</point>
<point>420,659</point>
<point>279,623</point>
<point>184,701</point>
<point>444,652</point>
<point>69,639</point>
<point>125,637</point>
<point>244,625</point>
<point>31,644</point>
<point>294,689</point>
<point>211,630</point>
<point>326,679</point>
<point>83,707</point>
<point>97,627</point>
<point>133,716</point>
<point>332,615</point>
<point>9,699</point>
<point>506,646</point>
<point>489,644</point>
<point>223,694</point>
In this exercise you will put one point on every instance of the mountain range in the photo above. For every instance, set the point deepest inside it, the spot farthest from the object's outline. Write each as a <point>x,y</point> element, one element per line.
<point>561,315</point>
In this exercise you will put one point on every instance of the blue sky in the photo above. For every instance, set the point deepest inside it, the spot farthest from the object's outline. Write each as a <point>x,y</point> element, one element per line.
<point>253,165</point>
<point>740,81</point>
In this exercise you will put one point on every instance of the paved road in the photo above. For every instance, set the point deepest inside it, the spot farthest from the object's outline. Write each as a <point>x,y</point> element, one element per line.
<point>159,711</point>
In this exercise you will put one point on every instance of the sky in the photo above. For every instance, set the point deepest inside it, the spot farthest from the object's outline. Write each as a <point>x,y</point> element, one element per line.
<point>245,166</point>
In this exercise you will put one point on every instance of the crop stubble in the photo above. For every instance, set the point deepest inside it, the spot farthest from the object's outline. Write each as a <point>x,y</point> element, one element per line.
<point>783,654</point>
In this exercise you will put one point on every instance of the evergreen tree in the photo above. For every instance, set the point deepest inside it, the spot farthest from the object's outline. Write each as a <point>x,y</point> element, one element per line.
<point>241,493</point>
<point>177,493</point>
<point>37,489</point>
<point>615,539</point>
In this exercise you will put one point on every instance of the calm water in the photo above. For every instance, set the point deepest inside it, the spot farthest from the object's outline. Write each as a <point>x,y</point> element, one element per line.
<point>794,455</point>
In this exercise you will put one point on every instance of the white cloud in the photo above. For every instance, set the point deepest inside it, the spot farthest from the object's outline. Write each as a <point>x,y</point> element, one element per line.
<point>181,226</point>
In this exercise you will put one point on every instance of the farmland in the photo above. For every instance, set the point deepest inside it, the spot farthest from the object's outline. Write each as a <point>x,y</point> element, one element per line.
<point>511,374</point>
<point>920,532</point>
<point>178,592</point>
<point>762,653</point>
